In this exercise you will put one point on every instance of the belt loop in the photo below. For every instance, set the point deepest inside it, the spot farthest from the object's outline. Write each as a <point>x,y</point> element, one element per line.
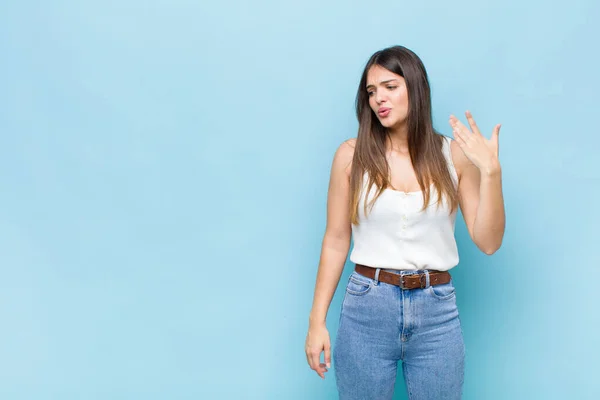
<point>376,278</point>
<point>427,281</point>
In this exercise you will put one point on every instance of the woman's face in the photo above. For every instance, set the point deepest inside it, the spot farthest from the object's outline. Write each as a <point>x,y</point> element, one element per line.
<point>388,96</point>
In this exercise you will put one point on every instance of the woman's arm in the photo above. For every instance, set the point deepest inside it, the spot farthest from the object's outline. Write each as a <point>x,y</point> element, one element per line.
<point>480,184</point>
<point>336,243</point>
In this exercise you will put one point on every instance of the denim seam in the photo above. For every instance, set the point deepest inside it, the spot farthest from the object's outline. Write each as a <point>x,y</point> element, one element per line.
<point>352,292</point>
<point>358,282</point>
<point>446,297</point>
<point>408,386</point>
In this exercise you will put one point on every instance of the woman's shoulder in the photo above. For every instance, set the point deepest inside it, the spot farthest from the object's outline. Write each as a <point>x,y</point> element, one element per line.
<point>350,143</point>
<point>346,148</point>
<point>344,154</point>
<point>459,159</point>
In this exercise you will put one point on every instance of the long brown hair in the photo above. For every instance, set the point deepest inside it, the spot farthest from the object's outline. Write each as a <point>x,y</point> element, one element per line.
<point>424,143</point>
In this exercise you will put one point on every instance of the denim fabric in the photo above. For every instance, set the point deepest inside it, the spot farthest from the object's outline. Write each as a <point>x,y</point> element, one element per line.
<point>381,324</point>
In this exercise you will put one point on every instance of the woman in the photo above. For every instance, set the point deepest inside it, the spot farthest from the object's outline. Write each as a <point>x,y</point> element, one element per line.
<point>400,301</point>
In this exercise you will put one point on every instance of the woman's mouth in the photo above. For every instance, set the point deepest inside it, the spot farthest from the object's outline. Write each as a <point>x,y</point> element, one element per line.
<point>383,112</point>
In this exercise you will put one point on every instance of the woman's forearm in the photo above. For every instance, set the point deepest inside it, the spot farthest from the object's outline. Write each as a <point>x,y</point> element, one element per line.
<point>489,224</point>
<point>331,264</point>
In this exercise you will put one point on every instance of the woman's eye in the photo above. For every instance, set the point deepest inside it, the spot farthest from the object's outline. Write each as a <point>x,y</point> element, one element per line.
<point>370,94</point>
<point>392,87</point>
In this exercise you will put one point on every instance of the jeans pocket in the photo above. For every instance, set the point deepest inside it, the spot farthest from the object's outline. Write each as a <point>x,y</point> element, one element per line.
<point>358,285</point>
<point>445,291</point>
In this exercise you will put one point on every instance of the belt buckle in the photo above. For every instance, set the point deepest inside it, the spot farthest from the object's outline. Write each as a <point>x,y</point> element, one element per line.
<point>402,282</point>
<point>422,282</point>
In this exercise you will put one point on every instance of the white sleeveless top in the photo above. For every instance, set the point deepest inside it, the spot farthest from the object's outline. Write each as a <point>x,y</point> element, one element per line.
<point>397,235</point>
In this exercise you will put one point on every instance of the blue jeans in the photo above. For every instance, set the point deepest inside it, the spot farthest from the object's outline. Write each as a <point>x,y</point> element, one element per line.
<point>381,324</point>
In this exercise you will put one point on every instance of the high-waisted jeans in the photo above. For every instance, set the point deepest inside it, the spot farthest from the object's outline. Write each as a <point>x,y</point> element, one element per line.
<point>381,324</point>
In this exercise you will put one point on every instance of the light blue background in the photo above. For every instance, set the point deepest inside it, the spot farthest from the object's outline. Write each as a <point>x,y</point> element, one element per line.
<point>164,169</point>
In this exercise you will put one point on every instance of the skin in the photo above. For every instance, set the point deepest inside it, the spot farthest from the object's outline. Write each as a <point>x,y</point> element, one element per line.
<point>480,196</point>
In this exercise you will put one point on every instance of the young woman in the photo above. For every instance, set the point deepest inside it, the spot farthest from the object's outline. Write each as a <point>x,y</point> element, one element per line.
<point>395,190</point>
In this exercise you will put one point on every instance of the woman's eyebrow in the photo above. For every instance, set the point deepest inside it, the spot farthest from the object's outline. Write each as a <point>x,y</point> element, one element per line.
<point>381,83</point>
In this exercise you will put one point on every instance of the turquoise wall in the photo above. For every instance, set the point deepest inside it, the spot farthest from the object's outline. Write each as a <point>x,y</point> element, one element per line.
<point>164,169</point>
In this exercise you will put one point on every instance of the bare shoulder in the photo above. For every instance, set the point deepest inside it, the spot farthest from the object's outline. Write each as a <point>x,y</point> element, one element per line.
<point>344,155</point>
<point>459,159</point>
<point>348,146</point>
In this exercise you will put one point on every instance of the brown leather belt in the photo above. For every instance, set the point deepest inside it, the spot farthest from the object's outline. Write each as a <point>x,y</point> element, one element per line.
<point>412,281</point>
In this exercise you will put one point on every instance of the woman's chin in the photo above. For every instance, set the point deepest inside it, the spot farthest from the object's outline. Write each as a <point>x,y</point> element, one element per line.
<point>392,124</point>
<point>386,122</point>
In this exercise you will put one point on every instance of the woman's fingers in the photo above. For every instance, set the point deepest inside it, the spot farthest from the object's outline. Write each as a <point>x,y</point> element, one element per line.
<point>317,342</point>
<point>472,123</point>
<point>456,124</point>
<point>315,356</point>
<point>316,364</point>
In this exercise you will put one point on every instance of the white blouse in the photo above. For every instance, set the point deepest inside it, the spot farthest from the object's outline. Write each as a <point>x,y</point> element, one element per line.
<point>397,235</point>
